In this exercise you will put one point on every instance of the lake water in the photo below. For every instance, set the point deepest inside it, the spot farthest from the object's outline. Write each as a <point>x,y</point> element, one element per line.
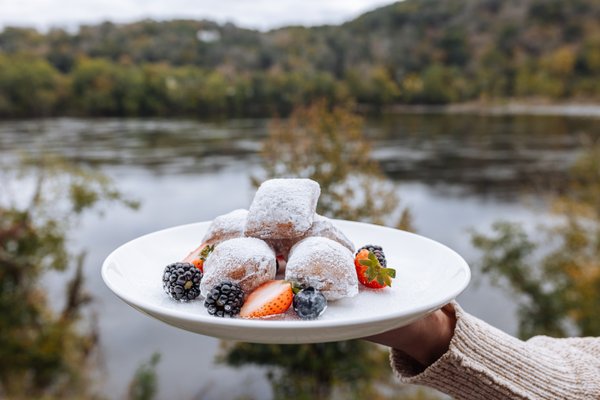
<point>454,172</point>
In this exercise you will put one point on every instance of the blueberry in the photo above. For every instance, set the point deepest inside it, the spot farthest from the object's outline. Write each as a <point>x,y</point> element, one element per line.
<point>309,303</point>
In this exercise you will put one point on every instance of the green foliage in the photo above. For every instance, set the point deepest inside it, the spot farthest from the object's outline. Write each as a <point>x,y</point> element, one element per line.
<point>103,88</point>
<point>44,353</point>
<point>144,385</point>
<point>372,86</point>
<point>438,85</point>
<point>508,260</point>
<point>414,51</point>
<point>557,277</point>
<point>29,86</point>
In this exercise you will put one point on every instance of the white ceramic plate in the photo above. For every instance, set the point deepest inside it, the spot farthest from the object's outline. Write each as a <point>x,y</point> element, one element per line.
<point>429,275</point>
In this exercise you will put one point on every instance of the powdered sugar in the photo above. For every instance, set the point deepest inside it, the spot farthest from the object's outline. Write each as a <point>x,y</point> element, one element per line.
<point>325,265</point>
<point>283,208</point>
<point>226,226</point>
<point>249,262</point>
<point>323,227</point>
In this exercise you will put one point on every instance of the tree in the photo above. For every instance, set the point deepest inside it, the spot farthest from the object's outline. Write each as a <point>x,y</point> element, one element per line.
<point>438,85</point>
<point>327,145</point>
<point>555,276</point>
<point>144,384</point>
<point>43,353</point>
<point>101,87</point>
<point>29,86</point>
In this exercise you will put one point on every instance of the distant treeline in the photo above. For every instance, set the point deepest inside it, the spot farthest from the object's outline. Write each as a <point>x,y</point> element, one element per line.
<point>411,52</point>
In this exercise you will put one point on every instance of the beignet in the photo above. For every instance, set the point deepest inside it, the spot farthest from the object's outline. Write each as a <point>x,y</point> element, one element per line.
<point>282,209</point>
<point>323,264</point>
<point>226,226</point>
<point>249,262</point>
<point>322,227</point>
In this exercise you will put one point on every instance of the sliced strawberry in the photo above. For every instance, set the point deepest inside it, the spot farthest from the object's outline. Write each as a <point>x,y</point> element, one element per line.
<point>199,255</point>
<point>270,298</point>
<point>370,272</point>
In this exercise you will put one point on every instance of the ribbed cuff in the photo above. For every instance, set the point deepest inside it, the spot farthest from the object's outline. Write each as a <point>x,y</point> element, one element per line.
<point>483,362</point>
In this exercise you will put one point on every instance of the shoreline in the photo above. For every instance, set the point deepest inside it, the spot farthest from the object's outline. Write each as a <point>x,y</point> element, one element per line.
<point>570,109</point>
<point>564,109</point>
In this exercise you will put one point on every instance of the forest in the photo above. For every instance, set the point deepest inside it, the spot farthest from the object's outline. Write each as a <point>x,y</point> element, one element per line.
<point>409,52</point>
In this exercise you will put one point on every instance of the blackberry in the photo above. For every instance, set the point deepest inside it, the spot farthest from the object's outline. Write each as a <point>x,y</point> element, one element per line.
<point>378,251</point>
<point>181,281</point>
<point>309,303</point>
<point>224,300</point>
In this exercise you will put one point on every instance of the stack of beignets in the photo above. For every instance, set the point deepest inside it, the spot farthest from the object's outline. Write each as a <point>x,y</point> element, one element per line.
<point>281,222</point>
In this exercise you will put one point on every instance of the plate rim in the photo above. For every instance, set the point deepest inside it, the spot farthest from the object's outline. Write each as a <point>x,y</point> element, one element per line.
<point>272,324</point>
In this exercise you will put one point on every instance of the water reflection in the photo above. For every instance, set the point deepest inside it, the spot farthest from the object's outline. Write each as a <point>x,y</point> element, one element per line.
<point>162,146</point>
<point>456,172</point>
<point>486,155</point>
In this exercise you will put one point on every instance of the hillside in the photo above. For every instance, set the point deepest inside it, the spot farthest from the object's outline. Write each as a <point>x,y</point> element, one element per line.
<point>415,51</point>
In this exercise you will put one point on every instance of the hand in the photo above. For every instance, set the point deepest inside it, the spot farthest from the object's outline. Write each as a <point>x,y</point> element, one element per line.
<point>425,340</point>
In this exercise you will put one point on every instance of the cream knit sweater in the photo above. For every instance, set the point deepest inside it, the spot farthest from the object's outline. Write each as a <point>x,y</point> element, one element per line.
<point>486,363</point>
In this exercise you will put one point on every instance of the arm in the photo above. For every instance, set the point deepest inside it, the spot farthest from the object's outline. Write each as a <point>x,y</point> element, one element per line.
<point>466,358</point>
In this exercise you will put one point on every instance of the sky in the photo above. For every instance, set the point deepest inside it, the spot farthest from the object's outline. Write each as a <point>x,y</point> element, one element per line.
<point>258,14</point>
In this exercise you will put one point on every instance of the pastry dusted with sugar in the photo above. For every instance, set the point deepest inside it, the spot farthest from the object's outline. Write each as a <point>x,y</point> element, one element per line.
<point>249,262</point>
<point>325,265</point>
<point>322,227</point>
<point>283,209</point>
<point>226,226</point>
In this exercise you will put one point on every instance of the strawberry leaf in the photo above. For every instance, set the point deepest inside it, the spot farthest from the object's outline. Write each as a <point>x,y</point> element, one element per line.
<point>366,263</point>
<point>296,288</point>
<point>203,255</point>
<point>376,272</point>
<point>371,274</point>
<point>388,281</point>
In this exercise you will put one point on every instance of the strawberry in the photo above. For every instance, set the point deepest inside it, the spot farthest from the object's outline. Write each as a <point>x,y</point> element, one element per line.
<point>270,298</point>
<point>199,255</point>
<point>370,272</point>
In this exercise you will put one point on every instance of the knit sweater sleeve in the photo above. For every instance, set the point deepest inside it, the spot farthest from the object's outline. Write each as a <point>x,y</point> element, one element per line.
<point>483,362</point>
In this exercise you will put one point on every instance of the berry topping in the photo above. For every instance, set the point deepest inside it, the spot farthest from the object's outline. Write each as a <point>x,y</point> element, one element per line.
<point>224,300</point>
<point>270,298</point>
<point>181,281</point>
<point>309,303</point>
<point>199,262</point>
<point>199,255</point>
<point>371,272</point>
<point>378,251</point>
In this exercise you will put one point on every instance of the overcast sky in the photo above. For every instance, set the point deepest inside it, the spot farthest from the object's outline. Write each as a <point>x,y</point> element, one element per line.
<point>260,14</point>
